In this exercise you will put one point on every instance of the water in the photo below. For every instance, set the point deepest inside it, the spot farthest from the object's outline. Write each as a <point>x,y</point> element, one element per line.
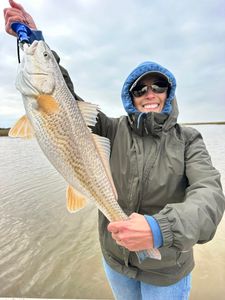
<point>46,252</point>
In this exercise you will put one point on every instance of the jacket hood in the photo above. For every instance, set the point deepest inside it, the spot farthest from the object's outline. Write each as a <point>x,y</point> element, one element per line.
<point>141,70</point>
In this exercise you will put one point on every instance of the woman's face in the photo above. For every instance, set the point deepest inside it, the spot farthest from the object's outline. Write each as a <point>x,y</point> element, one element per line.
<point>152,99</point>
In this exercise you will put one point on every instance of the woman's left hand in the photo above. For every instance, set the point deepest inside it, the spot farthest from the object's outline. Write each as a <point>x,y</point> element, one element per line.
<point>134,234</point>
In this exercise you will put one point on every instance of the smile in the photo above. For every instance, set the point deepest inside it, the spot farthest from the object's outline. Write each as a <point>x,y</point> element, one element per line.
<point>151,106</point>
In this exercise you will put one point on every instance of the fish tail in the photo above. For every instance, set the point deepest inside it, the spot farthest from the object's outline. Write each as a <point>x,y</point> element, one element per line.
<point>151,253</point>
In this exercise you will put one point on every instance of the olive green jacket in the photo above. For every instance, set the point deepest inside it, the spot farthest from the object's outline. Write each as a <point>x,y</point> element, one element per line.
<point>163,170</point>
<point>167,173</point>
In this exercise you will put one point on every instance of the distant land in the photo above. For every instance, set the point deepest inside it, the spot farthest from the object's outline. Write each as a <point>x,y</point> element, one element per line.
<point>204,123</point>
<point>4,131</point>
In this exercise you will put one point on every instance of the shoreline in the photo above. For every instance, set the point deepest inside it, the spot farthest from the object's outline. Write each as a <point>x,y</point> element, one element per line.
<point>204,123</point>
<point>5,131</point>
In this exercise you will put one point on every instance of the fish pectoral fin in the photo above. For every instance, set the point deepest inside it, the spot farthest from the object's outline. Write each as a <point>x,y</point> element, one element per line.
<point>75,200</point>
<point>103,147</point>
<point>47,103</point>
<point>22,129</point>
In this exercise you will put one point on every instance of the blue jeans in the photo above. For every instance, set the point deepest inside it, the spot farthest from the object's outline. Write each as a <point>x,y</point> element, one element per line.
<point>125,288</point>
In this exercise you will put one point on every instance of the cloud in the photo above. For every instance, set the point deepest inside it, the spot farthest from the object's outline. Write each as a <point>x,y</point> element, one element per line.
<point>100,42</point>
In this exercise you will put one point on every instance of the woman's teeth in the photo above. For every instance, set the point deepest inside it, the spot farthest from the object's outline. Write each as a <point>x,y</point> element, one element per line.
<point>151,106</point>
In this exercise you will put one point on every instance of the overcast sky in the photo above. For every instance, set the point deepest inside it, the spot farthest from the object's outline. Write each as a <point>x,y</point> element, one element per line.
<point>101,41</point>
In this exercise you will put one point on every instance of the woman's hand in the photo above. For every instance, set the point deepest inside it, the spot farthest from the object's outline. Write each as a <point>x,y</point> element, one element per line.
<point>134,234</point>
<point>16,13</point>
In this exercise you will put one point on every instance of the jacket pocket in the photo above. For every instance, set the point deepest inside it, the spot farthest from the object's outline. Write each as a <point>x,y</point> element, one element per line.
<point>169,259</point>
<point>183,256</point>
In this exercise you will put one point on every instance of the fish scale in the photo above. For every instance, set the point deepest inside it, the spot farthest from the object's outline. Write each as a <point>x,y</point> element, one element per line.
<point>61,126</point>
<point>72,161</point>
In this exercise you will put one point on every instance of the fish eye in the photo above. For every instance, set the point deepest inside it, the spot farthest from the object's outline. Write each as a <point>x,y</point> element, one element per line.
<point>45,54</point>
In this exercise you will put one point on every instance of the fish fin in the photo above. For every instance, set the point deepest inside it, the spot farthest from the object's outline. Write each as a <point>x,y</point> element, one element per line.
<point>89,112</point>
<point>47,103</point>
<point>103,148</point>
<point>153,253</point>
<point>75,200</point>
<point>22,129</point>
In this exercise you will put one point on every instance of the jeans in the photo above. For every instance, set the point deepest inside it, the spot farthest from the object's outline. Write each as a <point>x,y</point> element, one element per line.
<point>125,288</point>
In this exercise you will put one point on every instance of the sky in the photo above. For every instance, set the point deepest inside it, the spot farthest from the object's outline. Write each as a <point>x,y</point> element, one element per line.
<point>101,41</point>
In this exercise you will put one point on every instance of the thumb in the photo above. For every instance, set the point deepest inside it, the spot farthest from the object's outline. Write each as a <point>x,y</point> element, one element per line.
<point>16,5</point>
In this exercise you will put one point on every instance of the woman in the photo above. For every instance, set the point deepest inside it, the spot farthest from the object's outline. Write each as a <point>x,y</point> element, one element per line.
<point>164,179</point>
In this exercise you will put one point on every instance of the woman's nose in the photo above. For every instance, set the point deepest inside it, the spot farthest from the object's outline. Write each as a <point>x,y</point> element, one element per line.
<point>150,93</point>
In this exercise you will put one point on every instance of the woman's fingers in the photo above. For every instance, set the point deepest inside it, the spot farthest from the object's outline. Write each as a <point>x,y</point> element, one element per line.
<point>16,5</point>
<point>16,13</point>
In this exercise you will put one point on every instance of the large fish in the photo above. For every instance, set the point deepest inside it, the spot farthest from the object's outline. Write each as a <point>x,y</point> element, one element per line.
<point>62,128</point>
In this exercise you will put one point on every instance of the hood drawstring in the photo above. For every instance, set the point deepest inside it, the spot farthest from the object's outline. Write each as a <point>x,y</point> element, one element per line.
<point>139,119</point>
<point>147,123</point>
<point>145,127</point>
<point>144,122</point>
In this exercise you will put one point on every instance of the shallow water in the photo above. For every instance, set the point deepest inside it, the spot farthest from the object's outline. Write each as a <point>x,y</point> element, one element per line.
<point>47,252</point>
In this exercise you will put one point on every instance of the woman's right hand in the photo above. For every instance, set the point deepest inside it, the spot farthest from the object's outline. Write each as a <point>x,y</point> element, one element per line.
<point>16,13</point>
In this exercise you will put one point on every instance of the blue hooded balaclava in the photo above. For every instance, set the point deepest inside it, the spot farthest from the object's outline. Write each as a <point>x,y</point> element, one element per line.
<point>141,70</point>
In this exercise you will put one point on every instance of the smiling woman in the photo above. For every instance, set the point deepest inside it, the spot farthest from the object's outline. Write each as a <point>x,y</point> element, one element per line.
<point>150,93</point>
<point>166,195</point>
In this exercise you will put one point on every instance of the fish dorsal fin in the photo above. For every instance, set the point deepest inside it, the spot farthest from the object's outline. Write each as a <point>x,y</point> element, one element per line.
<point>103,147</point>
<point>47,103</point>
<point>22,129</point>
<point>75,200</point>
<point>89,112</point>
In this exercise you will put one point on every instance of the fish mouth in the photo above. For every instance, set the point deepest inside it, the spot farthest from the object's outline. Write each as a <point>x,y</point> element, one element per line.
<point>37,73</point>
<point>30,49</point>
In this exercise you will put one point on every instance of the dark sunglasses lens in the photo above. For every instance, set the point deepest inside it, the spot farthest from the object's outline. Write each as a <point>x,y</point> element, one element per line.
<point>139,91</point>
<point>158,89</point>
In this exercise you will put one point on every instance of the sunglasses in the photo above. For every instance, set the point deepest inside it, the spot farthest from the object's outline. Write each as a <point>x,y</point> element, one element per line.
<point>156,88</point>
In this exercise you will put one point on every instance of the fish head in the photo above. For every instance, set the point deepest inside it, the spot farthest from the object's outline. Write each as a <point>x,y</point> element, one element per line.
<point>37,71</point>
